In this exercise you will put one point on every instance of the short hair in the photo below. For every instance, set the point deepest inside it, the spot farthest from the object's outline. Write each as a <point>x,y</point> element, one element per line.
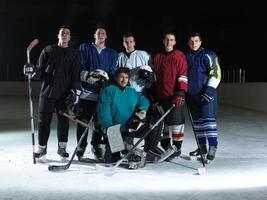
<point>128,34</point>
<point>100,26</point>
<point>169,33</point>
<point>64,26</point>
<point>194,34</point>
<point>124,70</point>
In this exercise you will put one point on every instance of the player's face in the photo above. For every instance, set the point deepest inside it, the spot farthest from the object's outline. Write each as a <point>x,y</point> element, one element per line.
<point>169,41</point>
<point>64,35</point>
<point>100,35</point>
<point>194,43</point>
<point>129,44</point>
<point>123,79</point>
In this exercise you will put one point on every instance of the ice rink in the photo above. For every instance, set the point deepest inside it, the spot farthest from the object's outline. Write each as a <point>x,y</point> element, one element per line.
<point>239,171</point>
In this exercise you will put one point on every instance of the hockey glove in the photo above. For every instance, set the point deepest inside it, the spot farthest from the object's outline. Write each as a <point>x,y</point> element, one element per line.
<point>141,114</point>
<point>135,122</point>
<point>87,77</point>
<point>72,100</point>
<point>76,110</point>
<point>73,97</point>
<point>29,70</point>
<point>179,99</point>
<point>98,77</point>
<point>207,96</point>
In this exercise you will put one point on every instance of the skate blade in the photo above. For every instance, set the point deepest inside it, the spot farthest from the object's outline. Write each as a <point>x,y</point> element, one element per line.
<point>133,165</point>
<point>42,159</point>
<point>193,157</point>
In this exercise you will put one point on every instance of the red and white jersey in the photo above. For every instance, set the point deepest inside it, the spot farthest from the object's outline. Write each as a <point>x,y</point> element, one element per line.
<point>171,70</point>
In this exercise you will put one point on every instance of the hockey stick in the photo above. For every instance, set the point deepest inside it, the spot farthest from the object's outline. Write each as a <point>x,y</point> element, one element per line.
<point>55,168</point>
<point>142,138</point>
<point>29,48</point>
<point>200,170</point>
<point>89,126</point>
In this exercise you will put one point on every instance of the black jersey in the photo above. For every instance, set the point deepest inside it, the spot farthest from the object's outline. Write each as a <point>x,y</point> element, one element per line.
<point>58,68</point>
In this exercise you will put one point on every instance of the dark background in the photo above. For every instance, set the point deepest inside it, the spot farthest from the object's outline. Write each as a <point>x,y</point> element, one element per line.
<point>237,32</point>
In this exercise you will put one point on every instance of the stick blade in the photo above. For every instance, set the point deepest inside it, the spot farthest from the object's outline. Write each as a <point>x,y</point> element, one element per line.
<point>57,168</point>
<point>32,44</point>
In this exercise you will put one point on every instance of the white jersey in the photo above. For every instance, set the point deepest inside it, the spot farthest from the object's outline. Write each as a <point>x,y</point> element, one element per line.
<point>136,59</point>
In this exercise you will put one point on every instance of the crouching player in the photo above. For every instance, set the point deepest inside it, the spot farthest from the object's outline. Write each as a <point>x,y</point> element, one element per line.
<point>120,104</point>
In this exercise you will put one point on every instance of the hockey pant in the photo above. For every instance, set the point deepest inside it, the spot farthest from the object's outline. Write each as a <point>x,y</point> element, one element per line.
<point>88,109</point>
<point>204,121</point>
<point>46,108</point>
<point>173,133</point>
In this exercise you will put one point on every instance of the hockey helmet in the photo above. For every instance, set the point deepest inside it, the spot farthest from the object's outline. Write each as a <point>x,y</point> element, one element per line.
<point>145,72</point>
<point>99,73</point>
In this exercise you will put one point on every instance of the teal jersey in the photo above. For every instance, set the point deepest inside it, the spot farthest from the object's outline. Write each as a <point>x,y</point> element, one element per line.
<point>116,105</point>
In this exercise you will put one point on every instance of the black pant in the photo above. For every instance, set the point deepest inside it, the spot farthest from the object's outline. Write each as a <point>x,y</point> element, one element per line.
<point>88,110</point>
<point>46,108</point>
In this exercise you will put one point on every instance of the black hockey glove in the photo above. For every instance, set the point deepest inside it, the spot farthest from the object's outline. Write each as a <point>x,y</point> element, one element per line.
<point>208,95</point>
<point>135,122</point>
<point>73,97</point>
<point>29,70</point>
<point>72,100</point>
<point>76,110</point>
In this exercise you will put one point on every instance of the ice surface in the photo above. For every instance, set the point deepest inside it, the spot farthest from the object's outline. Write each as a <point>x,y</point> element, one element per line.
<point>239,171</point>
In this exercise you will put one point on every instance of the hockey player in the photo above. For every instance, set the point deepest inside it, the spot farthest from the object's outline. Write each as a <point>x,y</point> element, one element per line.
<point>121,104</point>
<point>98,63</point>
<point>58,69</point>
<point>142,76</point>
<point>171,69</point>
<point>138,61</point>
<point>204,76</point>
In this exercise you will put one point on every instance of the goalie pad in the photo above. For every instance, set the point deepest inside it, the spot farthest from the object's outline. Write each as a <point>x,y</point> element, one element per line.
<point>115,140</point>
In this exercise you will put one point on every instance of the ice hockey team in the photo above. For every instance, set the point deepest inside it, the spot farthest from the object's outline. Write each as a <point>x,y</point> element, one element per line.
<point>128,92</point>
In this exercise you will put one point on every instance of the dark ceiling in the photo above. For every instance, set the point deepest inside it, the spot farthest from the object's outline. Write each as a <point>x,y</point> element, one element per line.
<point>237,32</point>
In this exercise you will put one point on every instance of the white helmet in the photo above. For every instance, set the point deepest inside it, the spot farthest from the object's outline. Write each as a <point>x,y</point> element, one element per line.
<point>99,73</point>
<point>145,72</point>
<point>146,67</point>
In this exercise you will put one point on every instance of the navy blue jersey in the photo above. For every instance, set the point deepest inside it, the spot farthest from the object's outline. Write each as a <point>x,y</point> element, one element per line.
<point>91,60</point>
<point>203,70</point>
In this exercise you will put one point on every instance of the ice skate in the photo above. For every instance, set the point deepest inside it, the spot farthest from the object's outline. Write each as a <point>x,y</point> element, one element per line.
<point>136,160</point>
<point>62,150</point>
<point>97,152</point>
<point>41,152</point>
<point>80,152</point>
<point>202,150</point>
<point>211,153</point>
<point>153,156</point>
